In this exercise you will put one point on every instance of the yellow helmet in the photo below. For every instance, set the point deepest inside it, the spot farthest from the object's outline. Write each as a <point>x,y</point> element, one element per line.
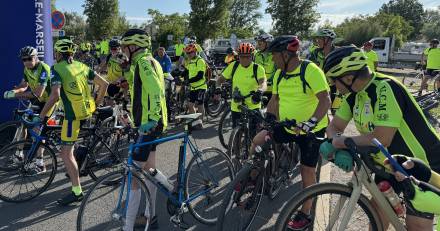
<point>65,46</point>
<point>136,37</point>
<point>343,60</point>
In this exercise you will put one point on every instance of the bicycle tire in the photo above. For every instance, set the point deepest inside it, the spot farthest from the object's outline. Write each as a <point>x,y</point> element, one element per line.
<point>213,112</point>
<point>227,204</point>
<point>109,162</point>
<point>88,202</point>
<point>217,164</point>
<point>324,188</point>
<point>222,128</point>
<point>7,132</point>
<point>235,147</point>
<point>24,171</point>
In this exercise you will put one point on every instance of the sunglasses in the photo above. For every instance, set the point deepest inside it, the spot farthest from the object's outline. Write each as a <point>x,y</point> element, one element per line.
<point>28,59</point>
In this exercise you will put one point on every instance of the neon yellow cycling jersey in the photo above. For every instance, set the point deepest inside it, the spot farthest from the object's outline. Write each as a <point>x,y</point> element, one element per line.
<point>265,60</point>
<point>371,59</point>
<point>75,92</point>
<point>245,81</point>
<point>114,71</point>
<point>433,58</point>
<point>194,66</point>
<point>148,90</point>
<point>293,102</point>
<point>386,102</point>
<point>40,75</point>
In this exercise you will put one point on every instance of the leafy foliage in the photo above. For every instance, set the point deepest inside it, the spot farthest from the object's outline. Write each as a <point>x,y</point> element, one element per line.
<point>102,16</point>
<point>209,18</point>
<point>175,24</point>
<point>244,16</point>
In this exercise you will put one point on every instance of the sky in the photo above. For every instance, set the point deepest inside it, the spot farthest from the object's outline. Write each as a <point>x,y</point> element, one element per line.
<point>334,10</point>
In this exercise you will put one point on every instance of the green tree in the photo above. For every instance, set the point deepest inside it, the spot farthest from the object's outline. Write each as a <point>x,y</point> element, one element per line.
<point>209,18</point>
<point>293,16</point>
<point>357,30</point>
<point>397,29</point>
<point>121,25</point>
<point>410,10</point>
<point>175,24</point>
<point>102,16</point>
<point>75,26</point>
<point>244,15</point>
<point>431,28</point>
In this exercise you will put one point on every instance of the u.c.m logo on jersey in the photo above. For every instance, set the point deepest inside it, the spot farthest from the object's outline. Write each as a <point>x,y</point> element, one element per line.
<point>383,99</point>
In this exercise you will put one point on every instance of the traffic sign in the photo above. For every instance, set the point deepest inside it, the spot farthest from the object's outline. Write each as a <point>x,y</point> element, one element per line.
<point>58,33</point>
<point>58,20</point>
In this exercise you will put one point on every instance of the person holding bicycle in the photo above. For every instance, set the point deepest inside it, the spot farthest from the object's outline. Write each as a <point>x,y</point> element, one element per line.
<point>70,82</point>
<point>35,86</point>
<point>149,115</point>
<point>382,108</point>
<point>248,80</point>
<point>300,92</point>
<point>431,59</point>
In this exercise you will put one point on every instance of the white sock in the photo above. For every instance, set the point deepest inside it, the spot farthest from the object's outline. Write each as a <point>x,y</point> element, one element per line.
<point>132,209</point>
<point>153,191</point>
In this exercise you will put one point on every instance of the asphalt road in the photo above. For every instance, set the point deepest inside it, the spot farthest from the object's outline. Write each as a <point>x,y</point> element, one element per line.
<point>42,213</point>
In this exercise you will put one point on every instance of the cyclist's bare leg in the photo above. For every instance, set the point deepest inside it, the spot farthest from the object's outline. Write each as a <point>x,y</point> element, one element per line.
<point>424,84</point>
<point>70,164</point>
<point>259,139</point>
<point>135,194</point>
<point>308,176</point>
<point>414,223</point>
<point>191,108</point>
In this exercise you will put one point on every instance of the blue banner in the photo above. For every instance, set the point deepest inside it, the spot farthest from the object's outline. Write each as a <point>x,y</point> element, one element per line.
<point>23,23</point>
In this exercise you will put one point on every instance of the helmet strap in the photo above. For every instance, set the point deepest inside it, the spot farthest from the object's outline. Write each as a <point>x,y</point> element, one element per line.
<point>349,87</point>
<point>132,52</point>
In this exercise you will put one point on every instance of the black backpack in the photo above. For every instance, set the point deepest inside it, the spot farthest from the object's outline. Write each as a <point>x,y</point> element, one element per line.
<point>301,74</point>
<point>234,69</point>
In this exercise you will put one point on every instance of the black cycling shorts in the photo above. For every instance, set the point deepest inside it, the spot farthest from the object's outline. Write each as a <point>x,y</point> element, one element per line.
<point>144,151</point>
<point>309,147</point>
<point>197,96</point>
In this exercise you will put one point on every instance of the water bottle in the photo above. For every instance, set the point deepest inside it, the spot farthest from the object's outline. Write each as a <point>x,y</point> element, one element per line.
<point>161,178</point>
<point>387,190</point>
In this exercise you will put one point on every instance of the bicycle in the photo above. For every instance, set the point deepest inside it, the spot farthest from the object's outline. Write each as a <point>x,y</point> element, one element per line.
<point>427,103</point>
<point>199,199</point>
<point>241,136</point>
<point>271,167</point>
<point>414,82</point>
<point>334,200</point>
<point>215,107</point>
<point>177,101</point>
<point>17,160</point>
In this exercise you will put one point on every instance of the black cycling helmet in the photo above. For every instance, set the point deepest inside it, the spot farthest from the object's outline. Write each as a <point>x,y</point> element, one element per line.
<point>27,51</point>
<point>114,43</point>
<point>284,43</point>
<point>435,41</point>
<point>229,50</point>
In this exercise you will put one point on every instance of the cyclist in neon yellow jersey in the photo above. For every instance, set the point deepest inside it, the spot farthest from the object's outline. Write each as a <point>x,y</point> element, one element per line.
<point>382,108</point>
<point>70,83</point>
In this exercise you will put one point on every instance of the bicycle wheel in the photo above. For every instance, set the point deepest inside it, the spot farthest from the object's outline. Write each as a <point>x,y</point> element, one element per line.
<point>237,147</point>
<point>8,131</point>
<point>225,127</point>
<point>330,197</point>
<point>208,174</point>
<point>19,179</point>
<point>103,159</point>
<point>241,201</point>
<point>214,107</point>
<point>104,206</point>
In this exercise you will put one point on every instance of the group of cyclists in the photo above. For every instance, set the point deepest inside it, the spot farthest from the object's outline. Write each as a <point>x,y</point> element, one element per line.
<point>301,89</point>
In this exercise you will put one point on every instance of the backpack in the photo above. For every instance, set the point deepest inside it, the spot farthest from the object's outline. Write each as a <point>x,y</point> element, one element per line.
<point>234,69</point>
<point>301,74</point>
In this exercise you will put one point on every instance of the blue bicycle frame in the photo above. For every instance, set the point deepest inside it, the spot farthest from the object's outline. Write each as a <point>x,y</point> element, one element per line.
<point>179,200</point>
